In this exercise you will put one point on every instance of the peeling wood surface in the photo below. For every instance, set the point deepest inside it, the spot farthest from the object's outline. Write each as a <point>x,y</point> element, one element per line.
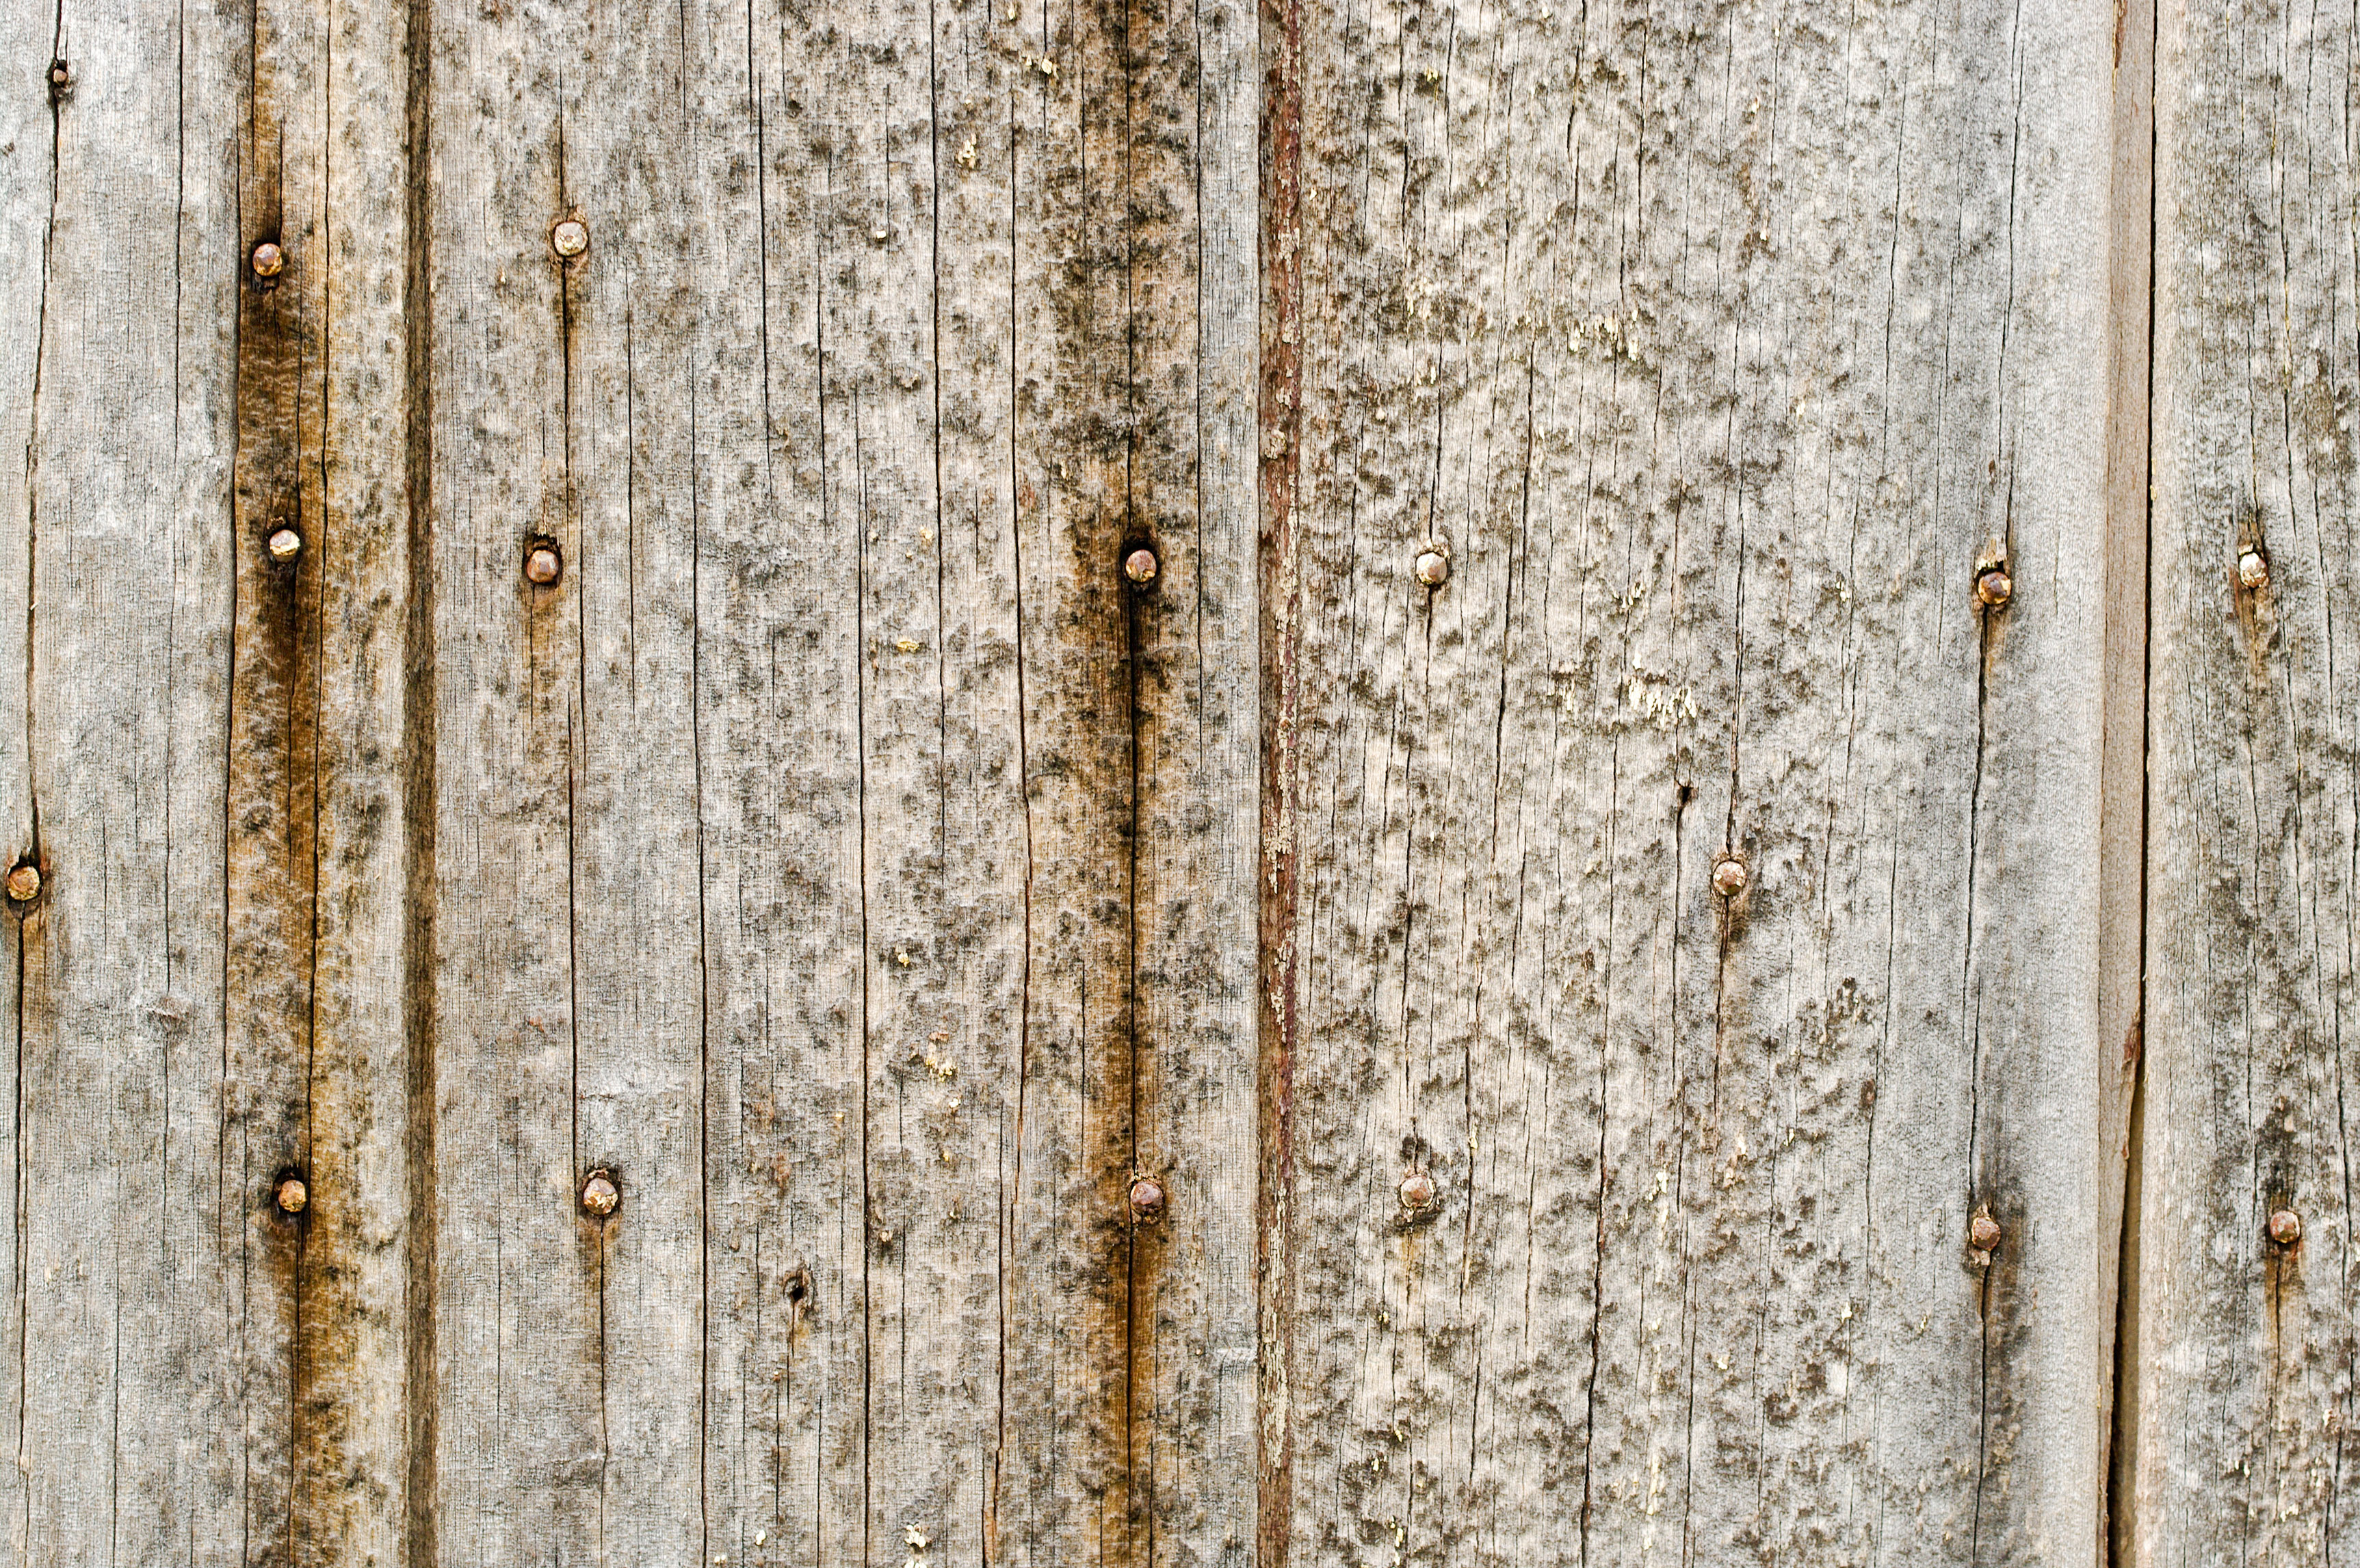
<point>1710,345</point>
<point>2245,1400</point>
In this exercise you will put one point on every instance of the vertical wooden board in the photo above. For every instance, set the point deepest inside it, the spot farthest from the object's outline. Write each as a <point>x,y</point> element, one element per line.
<point>1706,347</point>
<point>520,1434</point>
<point>141,1296</point>
<point>26,125</point>
<point>2244,1399</point>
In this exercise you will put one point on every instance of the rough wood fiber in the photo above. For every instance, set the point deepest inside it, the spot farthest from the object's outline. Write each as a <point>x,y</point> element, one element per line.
<point>799,855</point>
<point>1710,344</point>
<point>212,973</point>
<point>144,1298</point>
<point>2245,1400</point>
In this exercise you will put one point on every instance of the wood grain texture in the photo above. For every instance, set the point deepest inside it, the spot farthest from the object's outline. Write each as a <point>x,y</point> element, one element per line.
<point>212,978</point>
<point>2244,1410</point>
<point>143,1294</point>
<point>798,855</point>
<point>1710,345</point>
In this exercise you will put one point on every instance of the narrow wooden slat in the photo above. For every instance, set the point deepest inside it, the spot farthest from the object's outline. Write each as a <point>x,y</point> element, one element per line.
<point>1709,346</point>
<point>2246,1347</point>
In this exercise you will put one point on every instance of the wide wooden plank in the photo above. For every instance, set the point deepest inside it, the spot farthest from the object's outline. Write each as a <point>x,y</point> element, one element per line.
<point>842,854</point>
<point>2244,1399</point>
<point>1705,347</point>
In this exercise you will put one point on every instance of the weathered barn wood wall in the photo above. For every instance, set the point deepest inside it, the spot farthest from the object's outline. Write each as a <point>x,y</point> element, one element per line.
<point>1263,1063</point>
<point>1710,344</point>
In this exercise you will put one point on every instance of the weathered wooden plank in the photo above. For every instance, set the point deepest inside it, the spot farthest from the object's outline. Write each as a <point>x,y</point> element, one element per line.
<point>829,738</point>
<point>209,1377</point>
<point>2244,1399</point>
<point>1707,346</point>
<point>27,126</point>
<point>568,983</point>
<point>142,1295</point>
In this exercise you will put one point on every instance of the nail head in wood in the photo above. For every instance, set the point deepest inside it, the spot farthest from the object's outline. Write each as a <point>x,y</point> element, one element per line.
<point>1994,588</point>
<point>293,1195</point>
<point>1729,876</point>
<point>61,80</point>
<point>542,564</point>
<point>1141,566</point>
<point>24,881</point>
<point>1433,568</point>
<point>600,1196</point>
<point>570,238</point>
<point>285,544</point>
<point>1146,1200</point>
<point>268,260</point>
<point>2285,1227</point>
<point>2254,569</point>
<point>1983,1232</point>
<point>1416,1191</point>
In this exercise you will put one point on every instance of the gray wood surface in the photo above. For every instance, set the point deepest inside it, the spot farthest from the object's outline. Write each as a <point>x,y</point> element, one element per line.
<point>2244,1410</point>
<point>1710,345</point>
<point>841,852</point>
<point>844,858</point>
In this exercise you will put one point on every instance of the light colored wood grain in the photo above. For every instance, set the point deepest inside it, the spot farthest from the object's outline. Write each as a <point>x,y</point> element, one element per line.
<point>1710,345</point>
<point>146,1426</point>
<point>2246,1347</point>
<point>890,333</point>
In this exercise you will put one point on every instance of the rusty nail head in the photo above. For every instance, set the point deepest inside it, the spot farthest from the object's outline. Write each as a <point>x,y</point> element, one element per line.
<point>285,544</point>
<point>1433,568</point>
<point>1994,588</point>
<point>599,1194</point>
<point>541,563</point>
<point>1146,1200</point>
<point>1139,566</point>
<point>1984,1232</point>
<point>293,1195</point>
<point>60,76</point>
<point>570,238</point>
<point>2254,569</point>
<point>1417,1190</point>
<point>268,260</point>
<point>2285,1227</point>
<point>1729,876</point>
<point>24,881</point>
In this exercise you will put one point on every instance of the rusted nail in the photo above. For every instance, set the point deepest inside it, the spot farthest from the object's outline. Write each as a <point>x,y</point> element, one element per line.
<point>268,260</point>
<point>2254,569</point>
<point>1729,876</point>
<point>1993,587</point>
<point>1433,568</point>
<point>2286,1227</point>
<point>542,564</point>
<point>570,238</point>
<point>285,544</point>
<point>61,80</point>
<point>1139,566</point>
<point>1984,1234</point>
<point>1146,1200</point>
<point>293,1195</point>
<point>1416,1191</point>
<point>24,881</point>
<point>599,1194</point>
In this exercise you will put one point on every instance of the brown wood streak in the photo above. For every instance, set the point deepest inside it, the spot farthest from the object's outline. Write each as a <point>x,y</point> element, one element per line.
<point>272,799</point>
<point>1281,395</point>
